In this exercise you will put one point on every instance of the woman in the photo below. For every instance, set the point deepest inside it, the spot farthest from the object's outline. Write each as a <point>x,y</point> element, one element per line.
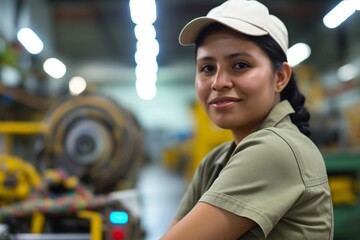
<point>271,181</point>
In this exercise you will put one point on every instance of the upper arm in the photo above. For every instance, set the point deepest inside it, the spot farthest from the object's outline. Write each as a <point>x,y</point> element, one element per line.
<point>174,222</point>
<point>208,222</point>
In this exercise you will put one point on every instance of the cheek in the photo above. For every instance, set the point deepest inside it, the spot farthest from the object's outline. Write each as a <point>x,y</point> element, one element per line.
<point>257,86</point>
<point>202,89</point>
<point>250,86</point>
<point>203,92</point>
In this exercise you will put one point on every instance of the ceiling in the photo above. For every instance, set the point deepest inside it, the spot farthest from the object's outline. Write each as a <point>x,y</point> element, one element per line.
<point>95,38</point>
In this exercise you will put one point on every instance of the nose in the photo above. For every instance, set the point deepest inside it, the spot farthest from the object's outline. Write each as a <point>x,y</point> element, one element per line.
<point>221,81</point>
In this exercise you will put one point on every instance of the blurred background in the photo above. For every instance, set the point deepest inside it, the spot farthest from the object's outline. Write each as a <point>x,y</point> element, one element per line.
<point>100,129</point>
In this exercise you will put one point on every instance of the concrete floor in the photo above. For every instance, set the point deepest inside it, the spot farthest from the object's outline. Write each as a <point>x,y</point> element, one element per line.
<point>160,192</point>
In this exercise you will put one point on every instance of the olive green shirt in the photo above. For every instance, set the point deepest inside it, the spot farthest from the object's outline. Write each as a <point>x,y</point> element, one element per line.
<point>276,176</point>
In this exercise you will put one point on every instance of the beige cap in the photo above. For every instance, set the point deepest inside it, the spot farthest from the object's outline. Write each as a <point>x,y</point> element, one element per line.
<point>249,17</point>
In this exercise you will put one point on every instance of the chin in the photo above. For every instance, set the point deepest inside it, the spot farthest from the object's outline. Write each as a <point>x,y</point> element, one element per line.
<point>226,122</point>
<point>224,125</point>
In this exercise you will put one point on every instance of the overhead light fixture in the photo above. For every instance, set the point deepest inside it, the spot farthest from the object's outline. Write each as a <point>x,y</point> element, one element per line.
<point>30,40</point>
<point>143,14</point>
<point>10,76</point>
<point>145,89</point>
<point>77,85</point>
<point>143,11</point>
<point>298,53</point>
<point>347,72</point>
<point>355,4</point>
<point>146,72</point>
<point>143,31</point>
<point>54,67</point>
<point>340,13</point>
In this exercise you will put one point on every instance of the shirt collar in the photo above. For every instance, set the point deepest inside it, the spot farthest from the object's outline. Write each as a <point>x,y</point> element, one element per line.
<point>276,115</point>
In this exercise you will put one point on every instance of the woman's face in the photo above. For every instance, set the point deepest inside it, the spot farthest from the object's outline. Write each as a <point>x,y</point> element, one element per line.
<point>235,82</point>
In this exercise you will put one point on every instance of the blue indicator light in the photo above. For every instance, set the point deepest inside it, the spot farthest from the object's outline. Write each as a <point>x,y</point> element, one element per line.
<point>119,217</point>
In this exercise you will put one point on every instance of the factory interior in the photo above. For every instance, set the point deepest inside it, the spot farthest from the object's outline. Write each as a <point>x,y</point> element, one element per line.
<point>99,141</point>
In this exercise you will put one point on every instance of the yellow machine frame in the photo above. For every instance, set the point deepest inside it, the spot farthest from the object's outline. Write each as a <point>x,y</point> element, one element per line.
<point>10,128</point>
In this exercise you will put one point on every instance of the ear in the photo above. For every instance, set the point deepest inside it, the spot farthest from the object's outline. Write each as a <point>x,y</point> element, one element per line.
<point>283,76</point>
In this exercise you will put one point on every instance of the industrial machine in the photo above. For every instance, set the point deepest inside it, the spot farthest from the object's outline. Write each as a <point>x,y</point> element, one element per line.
<point>94,138</point>
<point>62,208</point>
<point>88,150</point>
<point>344,179</point>
<point>17,179</point>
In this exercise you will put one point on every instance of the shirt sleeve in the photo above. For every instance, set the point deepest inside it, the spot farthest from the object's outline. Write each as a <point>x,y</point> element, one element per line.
<point>202,179</point>
<point>261,181</point>
<point>192,194</point>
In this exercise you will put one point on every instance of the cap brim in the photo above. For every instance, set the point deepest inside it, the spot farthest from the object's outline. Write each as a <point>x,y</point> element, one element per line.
<point>191,30</point>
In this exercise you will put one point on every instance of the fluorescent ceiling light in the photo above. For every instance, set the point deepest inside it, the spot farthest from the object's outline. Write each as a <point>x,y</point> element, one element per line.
<point>340,13</point>
<point>145,31</point>
<point>147,71</point>
<point>143,14</point>
<point>347,72</point>
<point>30,41</point>
<point>77,85</point>
<point>54,67</point>
<point>146,90</point>
<point>355,4</point>
<point>143,11</point>
<point>298,53</point>
<point>10,76</point>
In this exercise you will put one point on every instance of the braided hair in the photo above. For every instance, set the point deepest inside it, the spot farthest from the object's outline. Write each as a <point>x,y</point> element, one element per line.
<point>277,56</point>
<point>291,92</point>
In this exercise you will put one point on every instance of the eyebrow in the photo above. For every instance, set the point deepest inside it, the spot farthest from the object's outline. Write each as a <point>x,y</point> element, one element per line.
<point>228,57</point>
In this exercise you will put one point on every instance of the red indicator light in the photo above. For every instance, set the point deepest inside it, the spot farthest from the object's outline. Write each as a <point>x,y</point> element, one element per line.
<point>118,234</point>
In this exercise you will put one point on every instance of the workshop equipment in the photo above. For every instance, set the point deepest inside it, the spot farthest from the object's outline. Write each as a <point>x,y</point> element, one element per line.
<point>62,208</point>
<point>17,179</point>
<point>344,178</point>
<point>94,138</point>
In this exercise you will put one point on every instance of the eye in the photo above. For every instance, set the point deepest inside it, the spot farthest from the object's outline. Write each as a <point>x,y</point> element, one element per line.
<point>241,65</point>
<point>207,68</point>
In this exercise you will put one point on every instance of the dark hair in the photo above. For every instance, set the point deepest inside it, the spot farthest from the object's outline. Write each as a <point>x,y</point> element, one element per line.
<point>277,56</point>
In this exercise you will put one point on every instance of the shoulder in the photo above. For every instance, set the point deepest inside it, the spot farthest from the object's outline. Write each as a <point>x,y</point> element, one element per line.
<point>284,149</point>
<point>217,156</point>
<point>268,148</point>
<point>219,150</point>
<point>276,138</point>
<point>267,139</point>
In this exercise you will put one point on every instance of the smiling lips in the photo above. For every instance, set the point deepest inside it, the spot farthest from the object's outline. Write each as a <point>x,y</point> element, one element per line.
<point>221,102</point>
